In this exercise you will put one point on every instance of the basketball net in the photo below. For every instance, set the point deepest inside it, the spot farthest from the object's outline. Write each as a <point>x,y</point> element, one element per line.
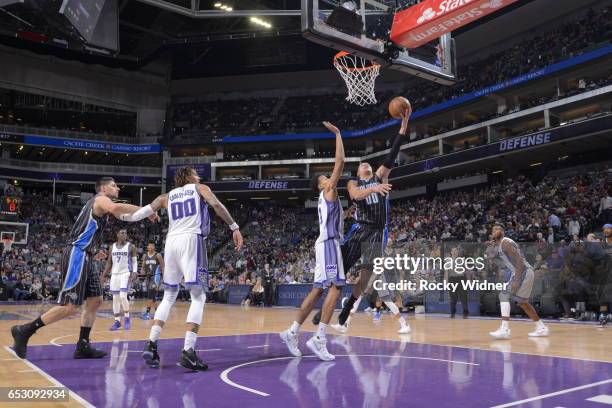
<point>359,75</point>
<point>8,244</point>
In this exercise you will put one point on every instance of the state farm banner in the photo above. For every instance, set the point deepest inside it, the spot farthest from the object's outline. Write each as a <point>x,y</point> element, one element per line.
<point>431,19</point>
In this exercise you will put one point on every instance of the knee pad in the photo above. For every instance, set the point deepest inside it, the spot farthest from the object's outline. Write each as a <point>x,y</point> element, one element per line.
<point>196,310</point>
<point>116,304</point>
<point>163,310</point>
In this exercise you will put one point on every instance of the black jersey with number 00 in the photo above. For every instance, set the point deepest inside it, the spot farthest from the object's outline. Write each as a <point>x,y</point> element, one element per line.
<point>372,211</point>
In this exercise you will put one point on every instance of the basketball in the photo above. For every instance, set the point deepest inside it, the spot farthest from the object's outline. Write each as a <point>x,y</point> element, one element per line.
<point>398,105</point>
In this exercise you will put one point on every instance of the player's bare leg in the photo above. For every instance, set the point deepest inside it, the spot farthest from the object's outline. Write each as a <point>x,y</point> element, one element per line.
<point>541,329</point>
<point>21,334</point>
<point>88,317</point>
<point>290,336</point>
<point>318,343</point>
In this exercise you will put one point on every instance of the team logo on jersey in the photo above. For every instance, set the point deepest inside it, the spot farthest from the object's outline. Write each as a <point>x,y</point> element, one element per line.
<point>331,270</point>
<point>203,274</point>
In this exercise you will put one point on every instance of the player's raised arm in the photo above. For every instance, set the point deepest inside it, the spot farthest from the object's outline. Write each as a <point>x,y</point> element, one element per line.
<point>339,159</point>
<point>222,212</point>
<point>356,194</point>
<point>383,171</point>
<point>148,211</point>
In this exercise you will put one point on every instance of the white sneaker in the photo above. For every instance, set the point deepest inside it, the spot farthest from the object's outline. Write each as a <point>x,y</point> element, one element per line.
<point>539,332</point>
<point>291,340</point>
<point>341,328</point>
<point>502,334</point>
<point>404,329</point>
<point>319,347</point>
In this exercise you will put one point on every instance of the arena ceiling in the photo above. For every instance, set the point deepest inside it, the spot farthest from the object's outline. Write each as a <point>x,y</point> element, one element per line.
<point>191,38</point>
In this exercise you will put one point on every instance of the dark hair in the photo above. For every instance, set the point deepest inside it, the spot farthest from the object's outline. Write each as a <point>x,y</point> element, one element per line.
<point>314,183</point>
<point>181,176</point>
<point>102,182</point>
<point>499,225</point>
<point>122,229</point>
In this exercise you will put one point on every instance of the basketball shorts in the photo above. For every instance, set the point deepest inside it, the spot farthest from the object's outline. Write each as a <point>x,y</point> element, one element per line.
<point>329,269</point>
<point>366,243</point>
<point>363,242</point>
<point>524,290</point>
<point>185,257</point>
<point>79,280</point>
<point>119,282</point>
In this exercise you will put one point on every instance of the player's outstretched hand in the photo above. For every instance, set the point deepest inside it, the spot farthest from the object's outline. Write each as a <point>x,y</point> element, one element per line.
<point>237,237</point>
<point>154,218</point>
<point>382,188</point>
<point>331,128</point>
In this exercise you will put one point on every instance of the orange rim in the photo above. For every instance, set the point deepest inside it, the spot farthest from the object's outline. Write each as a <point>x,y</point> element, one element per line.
<point>347,69</point>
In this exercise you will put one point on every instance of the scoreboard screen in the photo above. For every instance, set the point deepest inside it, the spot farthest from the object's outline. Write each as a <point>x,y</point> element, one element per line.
<point>9,206</point>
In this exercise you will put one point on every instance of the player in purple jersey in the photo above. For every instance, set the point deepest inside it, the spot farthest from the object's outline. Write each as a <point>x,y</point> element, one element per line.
<point>329,270</point>
<point>185,258</point>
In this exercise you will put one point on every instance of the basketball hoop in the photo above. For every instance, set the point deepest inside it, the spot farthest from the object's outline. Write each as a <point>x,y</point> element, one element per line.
<point>360,77</point>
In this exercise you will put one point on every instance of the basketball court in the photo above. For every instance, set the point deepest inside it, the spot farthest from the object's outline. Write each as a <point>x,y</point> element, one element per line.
<point>442,363</point>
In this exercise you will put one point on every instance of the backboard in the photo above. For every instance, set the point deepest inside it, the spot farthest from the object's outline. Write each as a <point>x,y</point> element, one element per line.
<point>18,231</point>
<point>362,27</point>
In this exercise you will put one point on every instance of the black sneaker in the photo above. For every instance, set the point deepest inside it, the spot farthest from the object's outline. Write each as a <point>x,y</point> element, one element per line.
<point>190,360</point>
<point>84,350</point>
<point>20,341</point>
<point>604,319</point>
<point>465,315</point>
<point>316,318</point>
<point>452,316</point>
<point>149,354</point>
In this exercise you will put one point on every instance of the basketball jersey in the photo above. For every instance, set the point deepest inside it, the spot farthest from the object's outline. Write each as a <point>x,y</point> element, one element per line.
<point>506,260</point>
<point>151,264</point>
<point>372,211</point>
<point>330,219</point>
<point>86,233</point>
<point>122,258</point>
<point>187,211</point>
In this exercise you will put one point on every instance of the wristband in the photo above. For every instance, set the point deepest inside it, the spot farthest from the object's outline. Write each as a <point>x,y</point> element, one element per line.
<point>234,227</point>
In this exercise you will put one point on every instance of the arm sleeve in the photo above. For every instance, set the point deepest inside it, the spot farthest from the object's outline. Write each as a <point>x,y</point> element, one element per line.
<point>392,155</point>
<point>140,214</point>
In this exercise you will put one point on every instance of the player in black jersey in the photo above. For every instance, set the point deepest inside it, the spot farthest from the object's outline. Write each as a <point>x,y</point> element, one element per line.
<point>79,282</point>
<point>369,192</point>
<point>150,273</point>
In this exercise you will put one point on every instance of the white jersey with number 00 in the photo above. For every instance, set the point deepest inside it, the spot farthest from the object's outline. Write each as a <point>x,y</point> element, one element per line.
<point>122,259</point>
<point>187,211</point>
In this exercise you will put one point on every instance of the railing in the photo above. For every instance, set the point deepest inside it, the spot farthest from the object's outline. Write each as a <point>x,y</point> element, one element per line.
<point>31,130</point>
<point>82,168</point>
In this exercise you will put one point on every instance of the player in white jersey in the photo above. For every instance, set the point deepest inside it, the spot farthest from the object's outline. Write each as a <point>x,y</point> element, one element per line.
<point>185,258</point>
<point>329,270</point>
<point>122,263</point>
<point>518,288</point>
